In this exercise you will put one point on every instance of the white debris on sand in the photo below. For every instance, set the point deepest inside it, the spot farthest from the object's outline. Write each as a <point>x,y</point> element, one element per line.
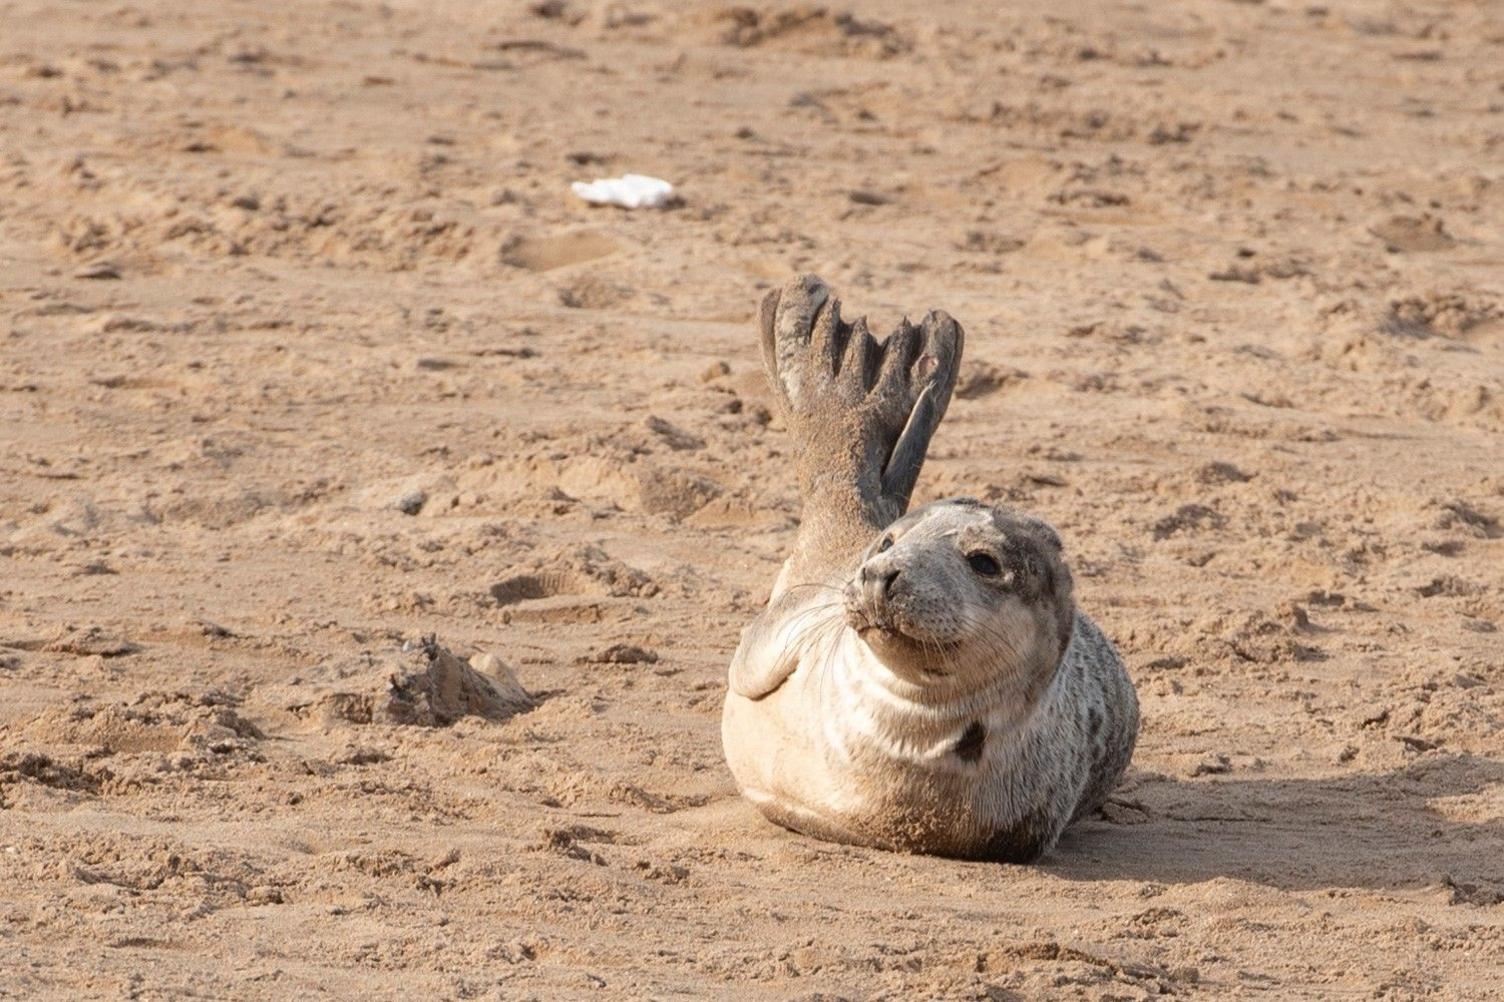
<point>630,191</point>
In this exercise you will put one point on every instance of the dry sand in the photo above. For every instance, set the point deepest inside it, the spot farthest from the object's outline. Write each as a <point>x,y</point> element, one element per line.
<point>306,353</point>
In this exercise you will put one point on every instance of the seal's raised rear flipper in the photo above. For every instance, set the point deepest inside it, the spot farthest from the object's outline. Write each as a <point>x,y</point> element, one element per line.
<point>862,413</point>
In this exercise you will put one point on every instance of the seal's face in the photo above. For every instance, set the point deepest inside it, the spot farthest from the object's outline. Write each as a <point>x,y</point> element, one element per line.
<point>956,592</point>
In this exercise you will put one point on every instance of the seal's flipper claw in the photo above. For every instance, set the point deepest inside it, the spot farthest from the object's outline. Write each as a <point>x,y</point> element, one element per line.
<point>787,323</point>
<point>860,361</point>
<point>893,397</point>
<point>933,375</point>
<point>827,343</point>
<point>943,341</point>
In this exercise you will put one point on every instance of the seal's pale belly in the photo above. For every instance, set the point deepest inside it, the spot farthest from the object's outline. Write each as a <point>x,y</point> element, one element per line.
<point>856,790</point>
<point>833,759</point>
<point>792,780</point>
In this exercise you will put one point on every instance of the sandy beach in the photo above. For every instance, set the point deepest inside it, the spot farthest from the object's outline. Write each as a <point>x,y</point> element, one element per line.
<point>319,389</point>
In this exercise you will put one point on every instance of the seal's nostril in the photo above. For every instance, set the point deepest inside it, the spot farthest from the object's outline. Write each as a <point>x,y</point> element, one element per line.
<point>888,581</point>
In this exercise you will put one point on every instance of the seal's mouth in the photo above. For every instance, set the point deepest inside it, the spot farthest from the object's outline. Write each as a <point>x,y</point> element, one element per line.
<point>863,617</point>
<point>882,627</point>
<point>881,631</point>
<point>868,621</point>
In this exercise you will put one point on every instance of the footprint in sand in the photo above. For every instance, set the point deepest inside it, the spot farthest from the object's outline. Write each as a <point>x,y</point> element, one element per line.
<point>546,253</point>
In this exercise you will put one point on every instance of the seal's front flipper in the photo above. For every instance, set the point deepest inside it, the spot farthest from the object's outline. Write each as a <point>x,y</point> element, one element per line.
<point>756,668</point>
<point>791,628</point>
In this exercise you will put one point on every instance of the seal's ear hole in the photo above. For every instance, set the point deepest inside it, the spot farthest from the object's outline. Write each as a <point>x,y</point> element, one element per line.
<point>984,564</point>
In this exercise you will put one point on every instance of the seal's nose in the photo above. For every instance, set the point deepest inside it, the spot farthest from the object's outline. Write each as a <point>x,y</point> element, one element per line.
<point>877,584</point>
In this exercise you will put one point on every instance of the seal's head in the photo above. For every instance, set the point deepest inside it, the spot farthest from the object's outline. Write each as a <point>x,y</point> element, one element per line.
<point>956,594</point>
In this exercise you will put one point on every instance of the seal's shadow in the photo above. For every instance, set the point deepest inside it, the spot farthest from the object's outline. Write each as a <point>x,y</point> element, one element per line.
<point>1434,822</point>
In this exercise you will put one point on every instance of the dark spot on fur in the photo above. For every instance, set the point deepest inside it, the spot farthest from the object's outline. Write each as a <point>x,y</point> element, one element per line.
<point>1094,719</point>
<point>1032,549</point>
<point>969,748</point>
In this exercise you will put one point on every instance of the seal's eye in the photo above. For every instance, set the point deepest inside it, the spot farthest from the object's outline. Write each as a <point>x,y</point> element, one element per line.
<point>984,564</point>
<point>886,544</point>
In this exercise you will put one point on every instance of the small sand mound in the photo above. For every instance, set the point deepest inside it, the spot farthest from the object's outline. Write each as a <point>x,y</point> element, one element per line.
<point>446,688</point>
<point>427,686</point>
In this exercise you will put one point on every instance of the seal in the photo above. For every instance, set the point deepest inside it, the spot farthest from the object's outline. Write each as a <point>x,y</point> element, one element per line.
<point>920,682</point>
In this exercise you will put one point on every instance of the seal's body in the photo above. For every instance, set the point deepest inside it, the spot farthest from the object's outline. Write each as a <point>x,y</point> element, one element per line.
<point>922,681</point>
